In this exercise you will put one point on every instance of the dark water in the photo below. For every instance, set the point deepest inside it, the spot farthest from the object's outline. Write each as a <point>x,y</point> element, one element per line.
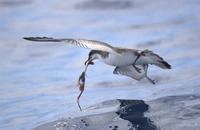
<point>38,81</point>
<point>166,113</point>
<point>129,116</point>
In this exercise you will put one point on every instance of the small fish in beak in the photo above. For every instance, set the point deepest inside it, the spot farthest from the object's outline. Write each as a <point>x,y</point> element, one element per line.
<point>89,62</point>
<point>81,81</point>
<point>81,85</point>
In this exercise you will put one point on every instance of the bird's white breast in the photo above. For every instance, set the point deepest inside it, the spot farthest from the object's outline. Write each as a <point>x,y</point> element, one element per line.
<point>126,58</point>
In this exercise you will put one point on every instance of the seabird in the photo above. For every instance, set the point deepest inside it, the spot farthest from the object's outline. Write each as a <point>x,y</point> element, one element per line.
<point>129,62</point>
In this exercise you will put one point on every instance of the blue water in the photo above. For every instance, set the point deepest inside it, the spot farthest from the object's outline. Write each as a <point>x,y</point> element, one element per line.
<point>38,80</point>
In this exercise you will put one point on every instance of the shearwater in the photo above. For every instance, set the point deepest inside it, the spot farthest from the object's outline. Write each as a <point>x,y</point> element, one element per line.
<point>129,62</point>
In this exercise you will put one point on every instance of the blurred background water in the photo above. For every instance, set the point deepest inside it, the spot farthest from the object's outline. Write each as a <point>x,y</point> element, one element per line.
<point>38,80</point>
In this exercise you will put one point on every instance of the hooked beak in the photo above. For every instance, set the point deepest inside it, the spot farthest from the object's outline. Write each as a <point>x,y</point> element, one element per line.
<point>89,61</point>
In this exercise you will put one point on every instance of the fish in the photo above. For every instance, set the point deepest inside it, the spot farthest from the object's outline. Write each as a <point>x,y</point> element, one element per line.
<point>81,82</point>
<point>81,86</point>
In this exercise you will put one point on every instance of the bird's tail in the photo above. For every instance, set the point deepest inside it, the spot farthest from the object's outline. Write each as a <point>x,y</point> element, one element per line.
<point>156,59</point>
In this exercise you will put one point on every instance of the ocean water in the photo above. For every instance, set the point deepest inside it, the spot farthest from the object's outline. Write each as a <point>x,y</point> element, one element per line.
<point>38,80</point>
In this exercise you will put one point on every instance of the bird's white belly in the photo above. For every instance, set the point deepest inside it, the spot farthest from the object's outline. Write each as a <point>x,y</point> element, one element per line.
<point>124,60</point>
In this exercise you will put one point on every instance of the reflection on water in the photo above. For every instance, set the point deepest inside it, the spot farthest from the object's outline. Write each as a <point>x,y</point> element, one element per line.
<point>133,111</point>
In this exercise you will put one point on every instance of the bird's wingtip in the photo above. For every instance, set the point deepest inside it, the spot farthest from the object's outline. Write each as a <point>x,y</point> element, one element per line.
<point>27,38</point>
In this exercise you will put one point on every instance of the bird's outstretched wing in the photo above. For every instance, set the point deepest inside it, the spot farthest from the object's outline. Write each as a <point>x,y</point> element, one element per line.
<point>89,44</point>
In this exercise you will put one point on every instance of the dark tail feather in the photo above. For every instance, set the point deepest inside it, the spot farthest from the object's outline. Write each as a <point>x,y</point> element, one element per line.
<point>163,64</point>
<point>156,59</point>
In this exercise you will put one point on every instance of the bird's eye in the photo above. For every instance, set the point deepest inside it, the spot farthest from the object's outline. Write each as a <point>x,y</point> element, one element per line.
<point>90,54</point>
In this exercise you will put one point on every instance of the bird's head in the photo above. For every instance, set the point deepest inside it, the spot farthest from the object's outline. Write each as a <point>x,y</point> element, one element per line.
<point>92,56</point>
